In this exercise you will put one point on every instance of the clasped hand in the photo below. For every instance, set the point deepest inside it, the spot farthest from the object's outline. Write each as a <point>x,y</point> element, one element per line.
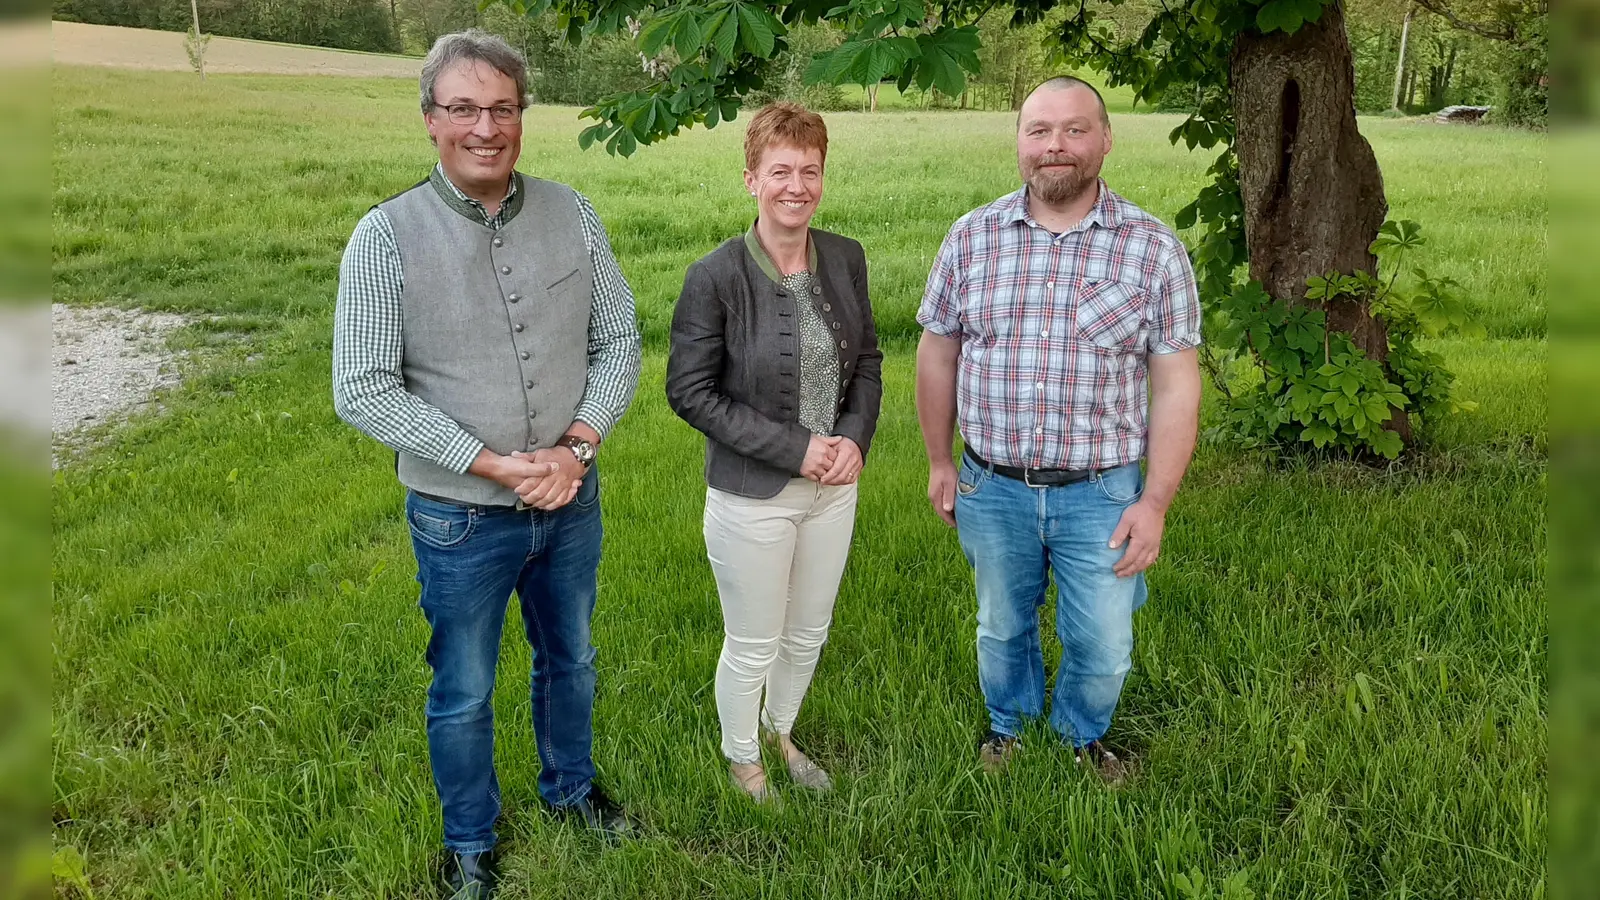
<point>545,479</point>
<point>835,459</point>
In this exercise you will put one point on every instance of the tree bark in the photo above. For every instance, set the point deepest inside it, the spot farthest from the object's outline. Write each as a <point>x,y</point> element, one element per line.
<point>1312,191</point>
<point>1400,67</point>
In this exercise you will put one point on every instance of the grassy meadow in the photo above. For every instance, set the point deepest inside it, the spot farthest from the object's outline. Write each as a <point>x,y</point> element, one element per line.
<point>1339,685</point>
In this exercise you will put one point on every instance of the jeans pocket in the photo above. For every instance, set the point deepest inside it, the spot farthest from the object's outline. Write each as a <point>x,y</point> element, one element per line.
<point>588,496</point>
<point>1123,485</point>
<point>441,526</point>
<point>970,478</point>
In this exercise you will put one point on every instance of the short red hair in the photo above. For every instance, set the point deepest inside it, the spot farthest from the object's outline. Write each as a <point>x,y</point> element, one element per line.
<point>783,124</point>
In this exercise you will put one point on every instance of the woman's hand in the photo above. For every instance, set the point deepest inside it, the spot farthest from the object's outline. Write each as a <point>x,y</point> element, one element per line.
<point>820,457</point>
<point>847,461</point>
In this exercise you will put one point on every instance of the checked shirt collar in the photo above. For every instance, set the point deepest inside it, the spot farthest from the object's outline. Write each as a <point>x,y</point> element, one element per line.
<point>1106,212</point>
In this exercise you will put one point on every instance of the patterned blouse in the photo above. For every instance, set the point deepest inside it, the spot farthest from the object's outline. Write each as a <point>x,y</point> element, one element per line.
<point>819,362</point>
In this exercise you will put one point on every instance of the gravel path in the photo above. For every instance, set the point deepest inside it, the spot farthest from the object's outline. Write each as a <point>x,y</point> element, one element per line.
<point>106,362</point>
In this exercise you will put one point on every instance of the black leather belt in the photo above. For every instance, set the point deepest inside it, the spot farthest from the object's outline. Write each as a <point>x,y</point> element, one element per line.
<point>480,507</point>
<point>1035,477</point>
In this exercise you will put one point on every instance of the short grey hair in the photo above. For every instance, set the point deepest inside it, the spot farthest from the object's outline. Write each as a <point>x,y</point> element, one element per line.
<point>471,46</point>
<point>1063,82</point>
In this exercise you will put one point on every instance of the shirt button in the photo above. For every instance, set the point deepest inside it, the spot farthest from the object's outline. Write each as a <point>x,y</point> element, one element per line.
<point>1039,430</point>
<point>517,327</point>
<point>1040,385</point>
<point>505,270</point>
<point>1045,333</point>
<point>499,243</point>
<point>523,354</point>
<point>514,297</point>
<point>1049,284</point>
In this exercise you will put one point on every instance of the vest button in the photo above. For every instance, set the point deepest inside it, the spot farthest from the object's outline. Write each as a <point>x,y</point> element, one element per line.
<point>514,297</point>
<point>499,243</point>
<point>518,327</point>
<point>523,354</point>
<point>530,385</point>
<point>505,270</point>
<point>533,415</point>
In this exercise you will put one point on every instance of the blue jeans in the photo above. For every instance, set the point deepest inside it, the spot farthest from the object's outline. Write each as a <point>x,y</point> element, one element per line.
<point>469,559</point>
<point>1015,536</point>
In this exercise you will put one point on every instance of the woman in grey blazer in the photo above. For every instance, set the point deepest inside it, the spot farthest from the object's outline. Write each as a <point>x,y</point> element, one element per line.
<point>775,359</point>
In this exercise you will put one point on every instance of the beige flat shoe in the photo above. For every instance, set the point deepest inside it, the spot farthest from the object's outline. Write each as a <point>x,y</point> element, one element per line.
<point>753,782</point>
<point>808,774</point>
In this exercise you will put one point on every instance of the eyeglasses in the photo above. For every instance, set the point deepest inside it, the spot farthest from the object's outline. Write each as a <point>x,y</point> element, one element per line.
<point>468,114</point>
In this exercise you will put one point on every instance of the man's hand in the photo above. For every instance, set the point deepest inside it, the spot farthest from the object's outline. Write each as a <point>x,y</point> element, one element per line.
<point>847,461</point>
<point>1140,527</point>
<point>556,489</point>
<point>942,480</point>
<point>510,471</point>
<point>820,455</point>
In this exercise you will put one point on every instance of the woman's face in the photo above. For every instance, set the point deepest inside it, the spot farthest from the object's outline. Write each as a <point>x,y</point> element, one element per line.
<point>787,185</point>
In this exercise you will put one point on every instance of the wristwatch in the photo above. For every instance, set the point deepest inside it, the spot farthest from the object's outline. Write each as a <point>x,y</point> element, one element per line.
<point>580,448</point>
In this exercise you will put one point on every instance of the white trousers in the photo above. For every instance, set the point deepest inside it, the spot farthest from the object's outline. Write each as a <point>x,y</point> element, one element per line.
<point>777,563</point>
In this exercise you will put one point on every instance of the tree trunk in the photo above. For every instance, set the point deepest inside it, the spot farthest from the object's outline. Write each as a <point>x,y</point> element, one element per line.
<point>1400,67</point>
<point>1312,191</point>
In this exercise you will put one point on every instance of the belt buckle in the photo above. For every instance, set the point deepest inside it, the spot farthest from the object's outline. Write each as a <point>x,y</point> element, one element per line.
<point>1027,478</point>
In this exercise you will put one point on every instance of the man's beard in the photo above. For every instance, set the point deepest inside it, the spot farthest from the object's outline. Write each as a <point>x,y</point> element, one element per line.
<point>1059,186</point>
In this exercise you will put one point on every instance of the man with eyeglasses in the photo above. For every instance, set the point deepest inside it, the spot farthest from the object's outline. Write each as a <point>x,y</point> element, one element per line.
<point>484,333</point>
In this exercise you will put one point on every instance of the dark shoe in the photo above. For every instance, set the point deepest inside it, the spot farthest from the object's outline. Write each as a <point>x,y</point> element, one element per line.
<point>600,813</point>
<point>1111,769</point>
<point>470,876</point>
<point>996,750</point>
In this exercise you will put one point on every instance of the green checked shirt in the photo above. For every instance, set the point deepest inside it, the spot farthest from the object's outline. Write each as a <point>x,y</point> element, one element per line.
<point>368,387</point>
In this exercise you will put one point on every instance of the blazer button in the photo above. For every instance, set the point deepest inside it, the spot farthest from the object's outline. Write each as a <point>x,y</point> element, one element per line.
<point>517,327</point>
<point>827,307</point>
<point>523,354</point>
<point>836,326</point>
<point>843,344</point>
<point>505,270</point>
<point>816,289</point>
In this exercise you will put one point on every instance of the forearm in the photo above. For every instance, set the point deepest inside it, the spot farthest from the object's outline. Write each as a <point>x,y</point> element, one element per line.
<point>612,381</point>
<point>936,395</point>
<point>1174,426</point>
<point>386,412</point>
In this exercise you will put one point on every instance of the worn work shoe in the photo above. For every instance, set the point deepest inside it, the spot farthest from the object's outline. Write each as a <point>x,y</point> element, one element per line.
<point>469,876</point>
<point>1111,769</point>
<point>996,750</point>
<point>599,813</point>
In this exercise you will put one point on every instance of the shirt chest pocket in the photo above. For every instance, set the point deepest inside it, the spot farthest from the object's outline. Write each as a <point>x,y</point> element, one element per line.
<point>1109,314</point>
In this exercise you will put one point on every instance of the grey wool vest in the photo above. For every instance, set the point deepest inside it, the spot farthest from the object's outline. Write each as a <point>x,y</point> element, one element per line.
<point>496,322</point>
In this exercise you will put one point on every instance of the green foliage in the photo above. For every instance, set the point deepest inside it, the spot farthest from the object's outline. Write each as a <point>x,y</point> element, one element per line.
<point>194,46</point>
<point>346,24</point>
<point>1316,387</point>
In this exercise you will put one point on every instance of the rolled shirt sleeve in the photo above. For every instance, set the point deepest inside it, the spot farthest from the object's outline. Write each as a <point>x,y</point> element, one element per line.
<point>940,311</point>
<point>1173,310</point>
<point>368,390</point>
<point>614,341</point>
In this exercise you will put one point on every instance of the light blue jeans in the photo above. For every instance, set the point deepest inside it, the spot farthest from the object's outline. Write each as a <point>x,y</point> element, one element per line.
<point>1015,536</point>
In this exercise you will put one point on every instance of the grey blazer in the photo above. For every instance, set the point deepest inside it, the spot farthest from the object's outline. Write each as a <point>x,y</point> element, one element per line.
<point>734,368</point>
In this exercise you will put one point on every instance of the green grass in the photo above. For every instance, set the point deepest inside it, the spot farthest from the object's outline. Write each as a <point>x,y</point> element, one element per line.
<point>1339,684</point>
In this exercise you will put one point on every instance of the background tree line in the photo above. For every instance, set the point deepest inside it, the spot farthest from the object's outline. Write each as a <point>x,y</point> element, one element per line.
<point>1480,52</point>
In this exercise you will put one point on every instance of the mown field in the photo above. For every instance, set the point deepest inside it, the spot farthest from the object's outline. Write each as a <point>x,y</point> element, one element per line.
<point>1339,686</point>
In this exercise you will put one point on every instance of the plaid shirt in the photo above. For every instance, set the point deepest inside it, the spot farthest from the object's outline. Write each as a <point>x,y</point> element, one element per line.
<point>1055,330</point>
<point>368,388</point>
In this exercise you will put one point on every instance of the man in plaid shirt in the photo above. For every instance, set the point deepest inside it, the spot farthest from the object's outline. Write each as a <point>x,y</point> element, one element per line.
<point>1061,326</point>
